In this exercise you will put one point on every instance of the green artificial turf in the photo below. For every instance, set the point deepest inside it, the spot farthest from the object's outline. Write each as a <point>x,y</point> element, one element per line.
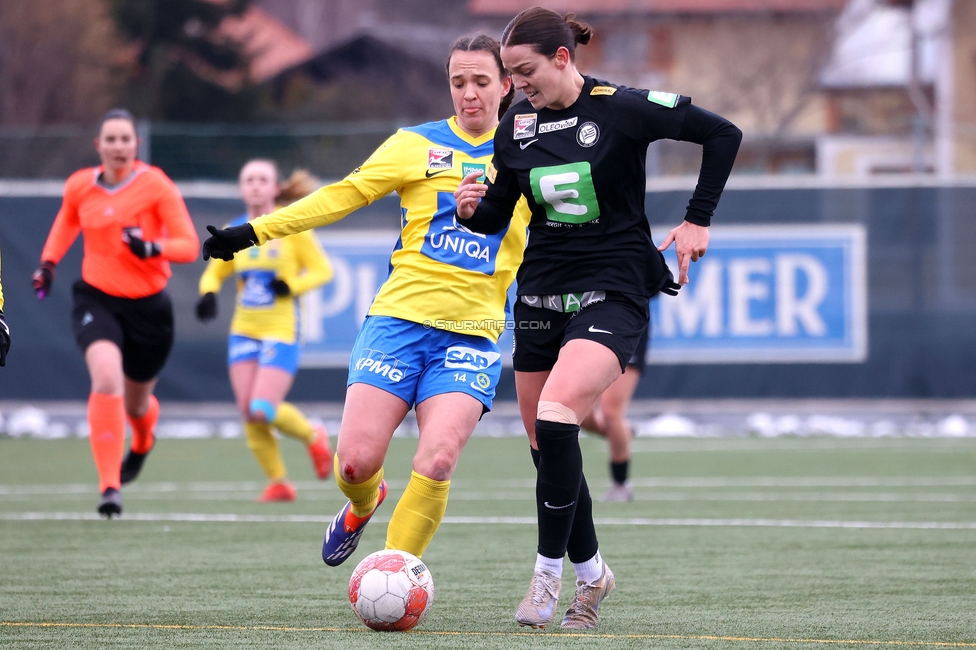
<point>712,553</point>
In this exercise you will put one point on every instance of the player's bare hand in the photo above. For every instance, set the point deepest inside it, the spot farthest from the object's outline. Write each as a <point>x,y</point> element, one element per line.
<point>690,243</point>
<point>468,194</point>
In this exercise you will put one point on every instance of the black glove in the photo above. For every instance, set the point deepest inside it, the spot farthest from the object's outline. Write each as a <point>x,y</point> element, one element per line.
<point>670,286</point>
<point>42,279</point>
<point>207,307</point>
<point>280,287</point>
<point>144,249</point>
<point>4,340</point>
<point>224,243</point>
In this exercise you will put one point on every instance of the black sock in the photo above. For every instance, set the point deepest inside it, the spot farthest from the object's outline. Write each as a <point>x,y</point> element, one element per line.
<point>557,484</point>
<point>619,471</point>
<point>582,543</point>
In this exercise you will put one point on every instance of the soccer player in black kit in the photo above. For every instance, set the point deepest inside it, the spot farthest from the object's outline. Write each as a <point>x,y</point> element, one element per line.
<point>576,148</point>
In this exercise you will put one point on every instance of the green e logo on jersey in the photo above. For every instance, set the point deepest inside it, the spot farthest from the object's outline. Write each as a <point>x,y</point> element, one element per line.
<point>567,192</point>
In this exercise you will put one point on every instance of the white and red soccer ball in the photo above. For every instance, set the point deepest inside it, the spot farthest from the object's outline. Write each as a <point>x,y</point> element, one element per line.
<point>391,590</point>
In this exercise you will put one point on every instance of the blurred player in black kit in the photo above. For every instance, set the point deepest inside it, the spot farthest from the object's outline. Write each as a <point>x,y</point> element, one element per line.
<point>575,147</point>
<point>4,333</point>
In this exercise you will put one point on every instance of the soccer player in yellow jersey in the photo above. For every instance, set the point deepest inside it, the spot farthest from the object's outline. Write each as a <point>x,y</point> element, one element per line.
<point>430,338</point>
<point>263,350</point>
<point>4,333</point>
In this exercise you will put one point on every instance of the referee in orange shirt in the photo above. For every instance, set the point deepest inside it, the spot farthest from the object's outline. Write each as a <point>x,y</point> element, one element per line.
<point>134,223</point>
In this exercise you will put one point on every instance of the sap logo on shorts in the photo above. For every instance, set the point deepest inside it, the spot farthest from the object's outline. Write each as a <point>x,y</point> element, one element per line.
<point>525,126</point>
<point>381,364</point>
<point>558,126</point>
<point>243,348</point>
<point>440,158</point>
<point>465,358</point>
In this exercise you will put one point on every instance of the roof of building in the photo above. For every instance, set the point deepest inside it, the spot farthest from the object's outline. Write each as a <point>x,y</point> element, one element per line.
<point>271,45</point>
<point>511,7</point>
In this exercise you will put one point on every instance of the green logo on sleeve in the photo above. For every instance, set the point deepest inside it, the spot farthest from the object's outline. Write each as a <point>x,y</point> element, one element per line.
<point>668,100</point>
<point>566,191</point>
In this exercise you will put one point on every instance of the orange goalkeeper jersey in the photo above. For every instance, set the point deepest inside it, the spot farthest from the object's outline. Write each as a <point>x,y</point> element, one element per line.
<point>146,204</point>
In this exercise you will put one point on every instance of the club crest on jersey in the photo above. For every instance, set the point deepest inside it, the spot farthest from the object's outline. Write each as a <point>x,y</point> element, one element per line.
<point>548,127</point>
<point>440,158</point>
<point>588,134</point>
<point>525,126</point>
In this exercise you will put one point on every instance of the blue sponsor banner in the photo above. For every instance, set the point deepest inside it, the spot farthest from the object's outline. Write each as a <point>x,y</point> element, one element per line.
<point>332,316</point>
<point>768,294</point>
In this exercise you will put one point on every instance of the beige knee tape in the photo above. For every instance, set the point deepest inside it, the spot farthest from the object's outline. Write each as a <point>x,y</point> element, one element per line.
<point>556,412</point>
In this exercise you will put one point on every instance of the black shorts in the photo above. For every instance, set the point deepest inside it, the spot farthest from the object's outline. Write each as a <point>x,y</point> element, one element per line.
<point>616,322</point>
<point>639,359</point>
<point>141,327</point>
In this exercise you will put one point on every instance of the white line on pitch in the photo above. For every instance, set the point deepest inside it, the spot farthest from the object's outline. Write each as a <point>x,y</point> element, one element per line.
<point>520,521</point>
<point>663,482</point>
<point>529,495</point>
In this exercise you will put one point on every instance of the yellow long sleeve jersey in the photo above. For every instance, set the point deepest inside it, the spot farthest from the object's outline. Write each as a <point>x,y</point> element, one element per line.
<point>260,314</point>
<point>441,272</point>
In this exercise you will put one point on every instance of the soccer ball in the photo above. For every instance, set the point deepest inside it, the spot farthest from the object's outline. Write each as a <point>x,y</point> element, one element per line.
<point>391,590</point>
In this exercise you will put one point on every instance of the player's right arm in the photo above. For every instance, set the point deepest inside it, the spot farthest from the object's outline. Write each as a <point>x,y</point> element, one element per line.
<point>210,282</point>
<point>64,232</point>
<point>214,275</point>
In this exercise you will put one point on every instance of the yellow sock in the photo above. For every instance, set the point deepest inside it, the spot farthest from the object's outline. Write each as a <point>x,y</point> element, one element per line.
<point>262,443</point>
<point>418,514</point>
<point>292,422</point>
<point>363,496</point>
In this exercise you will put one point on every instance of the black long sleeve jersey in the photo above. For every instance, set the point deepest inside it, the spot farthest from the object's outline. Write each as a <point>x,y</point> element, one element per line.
<point>582,170</point>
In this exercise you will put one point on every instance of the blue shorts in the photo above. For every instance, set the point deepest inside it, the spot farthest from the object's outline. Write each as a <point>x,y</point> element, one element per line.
<point>267,353</point>
<point>414,362</point>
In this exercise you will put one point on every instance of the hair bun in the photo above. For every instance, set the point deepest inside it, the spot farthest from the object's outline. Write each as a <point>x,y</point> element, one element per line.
<point>582,33</point>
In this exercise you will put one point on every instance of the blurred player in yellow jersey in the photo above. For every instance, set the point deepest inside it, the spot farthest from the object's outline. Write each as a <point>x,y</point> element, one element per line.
<point>430,337</point>
<point>264,348</point>
<point>4,333</point>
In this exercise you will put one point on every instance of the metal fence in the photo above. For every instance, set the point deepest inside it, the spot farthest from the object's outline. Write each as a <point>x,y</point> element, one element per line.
<point>198,151</point>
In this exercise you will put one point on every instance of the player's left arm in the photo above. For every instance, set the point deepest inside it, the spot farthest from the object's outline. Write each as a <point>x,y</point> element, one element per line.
<point>180,242</point>
<point>720,142</point>
<point>315,265</point>
<point>674,117</point>
<point>488,207</point>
